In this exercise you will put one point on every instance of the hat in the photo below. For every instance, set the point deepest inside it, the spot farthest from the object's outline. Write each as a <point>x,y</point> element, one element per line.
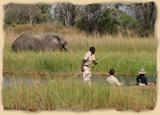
<point>142,71</point>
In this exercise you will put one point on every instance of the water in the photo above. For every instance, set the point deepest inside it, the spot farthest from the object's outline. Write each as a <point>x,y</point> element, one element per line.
<point>7,81</point>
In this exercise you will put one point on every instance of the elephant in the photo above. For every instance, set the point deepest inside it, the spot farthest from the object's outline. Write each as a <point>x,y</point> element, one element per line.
<point>55,41</point>
<point>49,42</point>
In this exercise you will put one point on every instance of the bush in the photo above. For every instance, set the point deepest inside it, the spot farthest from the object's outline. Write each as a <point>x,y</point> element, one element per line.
<point>126,21</point>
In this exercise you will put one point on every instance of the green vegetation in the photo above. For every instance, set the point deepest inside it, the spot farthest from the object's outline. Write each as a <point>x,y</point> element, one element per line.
<point>92,18</point>
<point>101,27</point>
<point>75,95</point>
<point>125,55</point>
<point>110,22</point>
<point>27,14</point>
<point>124,63</point>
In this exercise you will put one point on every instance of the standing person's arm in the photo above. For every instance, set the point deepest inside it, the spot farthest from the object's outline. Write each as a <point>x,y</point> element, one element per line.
<point>84,60</point>
<point>94,60</point>
<point>82,64</point>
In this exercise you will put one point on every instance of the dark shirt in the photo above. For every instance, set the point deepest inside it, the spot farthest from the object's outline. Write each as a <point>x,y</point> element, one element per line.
<point>141,79</point>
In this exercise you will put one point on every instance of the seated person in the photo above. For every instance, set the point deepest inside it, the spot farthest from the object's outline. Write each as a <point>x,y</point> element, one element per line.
<point>141,78</point>
<point>111,79</point>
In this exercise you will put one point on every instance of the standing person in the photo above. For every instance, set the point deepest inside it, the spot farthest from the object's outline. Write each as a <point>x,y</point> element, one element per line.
<point>111,79</point>
<point>141,78</point>
<point>87,61</point>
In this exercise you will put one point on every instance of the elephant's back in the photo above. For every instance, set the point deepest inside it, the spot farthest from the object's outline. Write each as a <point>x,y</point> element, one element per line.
<point>51,36</point>
<point>27,41</point>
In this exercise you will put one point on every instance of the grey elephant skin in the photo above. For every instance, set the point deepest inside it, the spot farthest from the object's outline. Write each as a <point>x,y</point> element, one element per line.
<point>49,42</point>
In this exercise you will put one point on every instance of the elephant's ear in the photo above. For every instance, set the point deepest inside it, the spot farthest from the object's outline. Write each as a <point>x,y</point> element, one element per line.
<point>58,39</point>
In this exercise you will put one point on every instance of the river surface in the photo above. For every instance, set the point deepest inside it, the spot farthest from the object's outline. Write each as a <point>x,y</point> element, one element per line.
<point>7,81</point>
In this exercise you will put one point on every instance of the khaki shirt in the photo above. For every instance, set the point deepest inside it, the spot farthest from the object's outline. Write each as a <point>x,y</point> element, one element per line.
<point>113,80</point>
<point>89,57</point>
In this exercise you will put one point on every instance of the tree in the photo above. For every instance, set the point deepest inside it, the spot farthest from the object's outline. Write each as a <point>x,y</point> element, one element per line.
<point>146,14</point>
<point>11,16</point>
<point>98,20</point>
<point>65,13</point>
<point>45,15</point>
<point>89,18</point>
<point>21,13</point>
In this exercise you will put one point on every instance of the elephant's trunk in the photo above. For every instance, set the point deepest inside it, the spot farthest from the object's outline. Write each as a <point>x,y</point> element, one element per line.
<point>67,48</point>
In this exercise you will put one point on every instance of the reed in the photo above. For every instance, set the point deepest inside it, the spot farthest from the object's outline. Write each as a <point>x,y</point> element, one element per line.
<point>56,94</point>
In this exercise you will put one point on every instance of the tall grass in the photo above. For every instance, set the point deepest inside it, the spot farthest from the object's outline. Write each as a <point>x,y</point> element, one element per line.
<point>124,63</point>
<point>126,55</point>
<point>76,95</point>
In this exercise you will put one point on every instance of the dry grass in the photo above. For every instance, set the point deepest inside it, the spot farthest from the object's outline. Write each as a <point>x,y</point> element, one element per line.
<point>77,96</point>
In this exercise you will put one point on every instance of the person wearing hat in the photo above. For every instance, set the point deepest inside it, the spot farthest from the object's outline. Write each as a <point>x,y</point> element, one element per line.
<point>141,78</point>
<point>87,61</point>
<point>111,79</point>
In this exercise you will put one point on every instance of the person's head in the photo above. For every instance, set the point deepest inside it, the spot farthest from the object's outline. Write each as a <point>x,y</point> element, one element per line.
<point>142,72</point>
<point>92,50</point>
<point>111,71</point>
